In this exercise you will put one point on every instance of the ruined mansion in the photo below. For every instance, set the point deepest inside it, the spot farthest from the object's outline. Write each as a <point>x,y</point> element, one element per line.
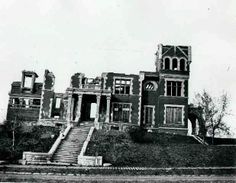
<point>154,100</point>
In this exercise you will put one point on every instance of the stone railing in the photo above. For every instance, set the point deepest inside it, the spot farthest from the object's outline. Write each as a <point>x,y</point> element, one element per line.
<point>59,139</point>
<point>91,86</point>
<point>44,158</point>
<point>83,150</point>
<point>88,160</point>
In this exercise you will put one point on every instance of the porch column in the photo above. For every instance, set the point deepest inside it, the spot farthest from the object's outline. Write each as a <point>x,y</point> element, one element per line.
<point>68,116</point>
<point>78,111</point>
<point>98,107</point>
<point>108,109</point>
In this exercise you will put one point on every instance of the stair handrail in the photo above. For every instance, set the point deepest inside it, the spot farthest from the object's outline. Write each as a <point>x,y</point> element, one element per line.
<point>85,144</point>
<point>33,157</point>
<point>59,139</point>
<point>200,140</point>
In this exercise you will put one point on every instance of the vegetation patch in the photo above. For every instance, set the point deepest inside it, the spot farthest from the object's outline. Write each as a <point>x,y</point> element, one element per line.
<point>157,150</point>
<point>15,141</point>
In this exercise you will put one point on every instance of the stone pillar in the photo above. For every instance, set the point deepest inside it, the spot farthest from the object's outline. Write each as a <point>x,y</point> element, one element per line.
<point>108,109</point>
<point>32,83</point>
<point>79,104</point>
<point>68,116</point>
<point>80,81</point>
<point>72,109</point>
<point>98,107</point>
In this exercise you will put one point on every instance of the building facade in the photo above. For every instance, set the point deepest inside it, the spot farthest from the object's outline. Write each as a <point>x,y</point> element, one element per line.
<point>154,100</point>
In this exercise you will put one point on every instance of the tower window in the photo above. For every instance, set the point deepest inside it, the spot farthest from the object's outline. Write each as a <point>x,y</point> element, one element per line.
<point>167,63</point>
<point>182,64</point>
<point>175,64</point>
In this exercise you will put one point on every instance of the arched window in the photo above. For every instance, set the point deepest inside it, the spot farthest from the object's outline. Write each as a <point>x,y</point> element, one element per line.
<point>182,64</point>
<point>150,86</point>
<point>175,64</point>
<point>167,63</point>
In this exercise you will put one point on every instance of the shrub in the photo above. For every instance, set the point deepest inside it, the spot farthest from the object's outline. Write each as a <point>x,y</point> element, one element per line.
<point>141,135</point>
<point>119,149</point>
<point>33,140</point>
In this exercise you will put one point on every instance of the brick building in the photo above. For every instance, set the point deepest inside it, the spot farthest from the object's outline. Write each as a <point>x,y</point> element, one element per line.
<point>156,100</point>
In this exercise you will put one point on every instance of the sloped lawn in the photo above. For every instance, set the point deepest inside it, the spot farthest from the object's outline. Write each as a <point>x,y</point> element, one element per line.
<point>35,139</point>
<point>157,150</point>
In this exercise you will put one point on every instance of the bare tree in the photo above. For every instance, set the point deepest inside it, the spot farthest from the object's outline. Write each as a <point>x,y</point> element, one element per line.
<point>214,112</point>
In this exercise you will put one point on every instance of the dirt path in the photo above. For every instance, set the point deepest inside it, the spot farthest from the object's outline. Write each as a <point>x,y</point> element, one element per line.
<point>13,177</point>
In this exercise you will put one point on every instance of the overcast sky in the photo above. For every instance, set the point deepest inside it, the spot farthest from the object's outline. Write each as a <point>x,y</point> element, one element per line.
<point>95,36</point>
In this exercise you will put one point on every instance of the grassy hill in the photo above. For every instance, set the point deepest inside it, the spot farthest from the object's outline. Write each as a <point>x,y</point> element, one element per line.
<point>141,149</point>
<point>32,138</point>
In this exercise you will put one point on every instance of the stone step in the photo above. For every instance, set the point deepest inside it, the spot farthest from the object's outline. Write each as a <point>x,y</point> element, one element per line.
<point>66,158</point>
<point>69,146</point>
<point>66,153</point>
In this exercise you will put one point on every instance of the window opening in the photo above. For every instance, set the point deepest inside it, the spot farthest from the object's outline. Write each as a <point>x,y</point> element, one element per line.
<point>122,86</point>
<point>28,82</point>
<point>93,110</point>
<point>182,64</point>
<point>36,101</point>
<point>149,113</point>
<point>15,101</point>
<point>26,103</point>
<point>175,64</point>
<point>121,112</point>
<point>58,103</point>
<point>173,115</point>
<point>174,88</point>
<point>167,63</point>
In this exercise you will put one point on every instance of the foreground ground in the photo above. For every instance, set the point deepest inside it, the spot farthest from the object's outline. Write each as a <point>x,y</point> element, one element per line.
<point>114,178</point>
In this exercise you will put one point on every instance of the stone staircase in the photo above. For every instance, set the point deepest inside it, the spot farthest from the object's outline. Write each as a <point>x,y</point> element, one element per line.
<point>70,147</point>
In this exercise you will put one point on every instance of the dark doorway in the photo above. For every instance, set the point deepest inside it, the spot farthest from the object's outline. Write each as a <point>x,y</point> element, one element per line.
<point>88,108</point>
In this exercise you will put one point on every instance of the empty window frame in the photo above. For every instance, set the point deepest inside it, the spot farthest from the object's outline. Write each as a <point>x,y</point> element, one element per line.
<point>28,82</point>
<point>121,112</point>
<point>122,86</point>
<point>174,115</point>
<point>174,88</point>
